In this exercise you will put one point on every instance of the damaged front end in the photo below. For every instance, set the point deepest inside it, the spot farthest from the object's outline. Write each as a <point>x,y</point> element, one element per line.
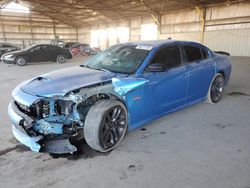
<point>52,124</point>
<point>55,123</point>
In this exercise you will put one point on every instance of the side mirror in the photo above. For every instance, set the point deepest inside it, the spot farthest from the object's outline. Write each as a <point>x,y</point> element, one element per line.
<point>156,67</point>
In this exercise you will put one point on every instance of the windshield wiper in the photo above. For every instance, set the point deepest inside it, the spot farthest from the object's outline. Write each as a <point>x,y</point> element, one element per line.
<point>101,69</point>
<point>89,67</point>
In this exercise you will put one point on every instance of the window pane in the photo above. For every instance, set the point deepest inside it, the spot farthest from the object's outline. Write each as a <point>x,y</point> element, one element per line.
<point>192,53</point>
<point>52,47</point>
<point>36,48</point>
<point>15,7</point>
<point>169,56</point>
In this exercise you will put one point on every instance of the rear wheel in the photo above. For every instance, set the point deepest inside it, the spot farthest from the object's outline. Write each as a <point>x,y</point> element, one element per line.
<point>60,59</point>
<point>20,61</point>
<point>105,125</point>
<point>216,88</point>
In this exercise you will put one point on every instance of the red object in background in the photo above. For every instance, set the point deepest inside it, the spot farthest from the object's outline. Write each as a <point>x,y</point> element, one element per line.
<point>75,51</point>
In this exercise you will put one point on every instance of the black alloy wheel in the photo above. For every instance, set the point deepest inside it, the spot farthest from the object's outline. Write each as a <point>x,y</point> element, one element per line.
<point>106,124</point>
<point>217,88</point>
<point>113,126</point>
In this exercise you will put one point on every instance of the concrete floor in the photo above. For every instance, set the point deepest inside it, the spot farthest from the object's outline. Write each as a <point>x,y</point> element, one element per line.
<point>201,146</point>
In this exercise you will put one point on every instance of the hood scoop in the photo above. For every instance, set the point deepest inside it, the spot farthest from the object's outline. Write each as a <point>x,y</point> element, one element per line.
<point>42,79</point>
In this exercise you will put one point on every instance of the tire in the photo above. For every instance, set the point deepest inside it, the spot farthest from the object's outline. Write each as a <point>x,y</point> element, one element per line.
<point>106,125</point>
<point>216,88</point>
<point>20,61</point>
<point>60,59</point>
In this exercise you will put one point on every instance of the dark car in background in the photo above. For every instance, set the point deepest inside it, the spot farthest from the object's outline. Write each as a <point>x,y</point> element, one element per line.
<point>37,53</point>
<point>59,43</point>
<point>6,47</point>
<point>68,45</point>
<point>63,44</point>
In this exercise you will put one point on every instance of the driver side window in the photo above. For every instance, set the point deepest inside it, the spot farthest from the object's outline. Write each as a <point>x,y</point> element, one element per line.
<point>44,48</point>
<point>168,56</point>
<point>36,48</point>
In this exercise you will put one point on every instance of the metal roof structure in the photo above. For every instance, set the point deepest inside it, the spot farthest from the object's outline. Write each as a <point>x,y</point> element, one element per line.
<point>78,13</point>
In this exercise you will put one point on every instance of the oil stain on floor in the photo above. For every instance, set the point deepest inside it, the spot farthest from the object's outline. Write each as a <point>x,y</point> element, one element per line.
<point>238,93</point>
<point>18,148</point>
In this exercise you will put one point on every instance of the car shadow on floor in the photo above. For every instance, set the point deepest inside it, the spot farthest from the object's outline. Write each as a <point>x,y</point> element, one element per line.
<point>84,151</point>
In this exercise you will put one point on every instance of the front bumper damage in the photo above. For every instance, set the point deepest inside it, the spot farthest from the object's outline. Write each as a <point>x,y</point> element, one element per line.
<point>35,143</point>
<point>52,123</point>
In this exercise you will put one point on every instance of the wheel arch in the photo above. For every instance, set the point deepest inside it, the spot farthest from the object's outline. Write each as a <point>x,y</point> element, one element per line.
<point>221,72</point>
<point>92,96</point>
<point>21,55</point>
<point>109,96</point>
<point>24,56</point>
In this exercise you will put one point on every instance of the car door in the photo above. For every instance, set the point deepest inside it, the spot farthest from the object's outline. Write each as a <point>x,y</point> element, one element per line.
<point>35,54</point>
<point>166,90</point>
<point>54,52</point>
<point>46,53</point>
<point>201,71</point>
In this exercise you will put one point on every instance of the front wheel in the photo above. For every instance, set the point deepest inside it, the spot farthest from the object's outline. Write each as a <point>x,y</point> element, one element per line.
<point>60,59</point>
<point>216,88</point>
<point>105,125</point>
<point>20,61</point>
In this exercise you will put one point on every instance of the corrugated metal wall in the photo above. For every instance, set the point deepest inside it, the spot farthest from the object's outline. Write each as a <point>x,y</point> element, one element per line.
<point>236,42</point>
<point>227,28</point>
<point>24,30</point>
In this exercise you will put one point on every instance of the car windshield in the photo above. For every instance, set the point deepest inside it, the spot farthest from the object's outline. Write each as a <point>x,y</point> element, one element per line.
<point>124,59</point>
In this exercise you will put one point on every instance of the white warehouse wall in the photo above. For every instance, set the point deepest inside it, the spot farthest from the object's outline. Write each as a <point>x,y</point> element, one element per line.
<point>227,28</point>
<point>24,30</point>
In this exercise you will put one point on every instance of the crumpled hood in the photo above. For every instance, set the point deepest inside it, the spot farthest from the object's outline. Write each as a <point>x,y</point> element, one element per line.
<point>60,82</point>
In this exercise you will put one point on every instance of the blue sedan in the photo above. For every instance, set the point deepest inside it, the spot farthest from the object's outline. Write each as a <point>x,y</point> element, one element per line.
<point>121,89</point>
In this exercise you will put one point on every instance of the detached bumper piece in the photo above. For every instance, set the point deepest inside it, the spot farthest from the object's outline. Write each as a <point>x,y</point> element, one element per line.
<point>31,142</point>
<point>21,121</point>
<point>59,147</point>
<point>19,132</point>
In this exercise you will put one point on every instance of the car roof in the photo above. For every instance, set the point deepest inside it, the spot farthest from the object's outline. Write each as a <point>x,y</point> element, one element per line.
<point>158,43</point>
<point>71,42</point>
<point>34,45</point>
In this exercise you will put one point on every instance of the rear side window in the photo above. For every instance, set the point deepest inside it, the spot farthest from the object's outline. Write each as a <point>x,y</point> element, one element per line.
<point>45,48</point>
<point>36,48</point>
<point>52,47</point>
<point>193,53</point>
<point>169,56</point>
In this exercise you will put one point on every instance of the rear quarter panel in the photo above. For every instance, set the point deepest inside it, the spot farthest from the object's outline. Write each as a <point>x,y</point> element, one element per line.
<point>223,64</point>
